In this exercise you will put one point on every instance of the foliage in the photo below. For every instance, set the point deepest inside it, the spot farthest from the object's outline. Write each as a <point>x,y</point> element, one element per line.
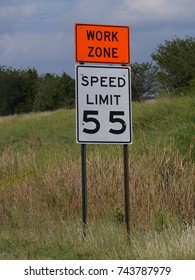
<point>67,90</point>
<point>176,61</point>
<point>54,92</point>
<point>144,81</point>
<point>45,99</point>
<point>17,89</point>
<point>40,187</point>
<point>29,79</point>
<point>24,91</point>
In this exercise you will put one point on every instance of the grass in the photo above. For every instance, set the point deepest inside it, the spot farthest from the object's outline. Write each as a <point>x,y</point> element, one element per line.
<point>40,187</point>
<point>104,241</point>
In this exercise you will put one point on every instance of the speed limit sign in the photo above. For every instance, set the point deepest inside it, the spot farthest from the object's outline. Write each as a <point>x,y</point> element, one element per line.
<point>103,105</point>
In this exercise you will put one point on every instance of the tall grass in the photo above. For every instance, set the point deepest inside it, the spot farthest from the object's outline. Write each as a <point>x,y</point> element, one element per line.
<point>161,189</point>
<point>40,187</point>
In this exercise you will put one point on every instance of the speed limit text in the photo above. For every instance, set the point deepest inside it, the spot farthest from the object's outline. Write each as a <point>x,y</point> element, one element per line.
<point>103,81</point>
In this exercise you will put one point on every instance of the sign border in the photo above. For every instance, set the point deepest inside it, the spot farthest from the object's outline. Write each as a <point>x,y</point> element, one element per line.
<point>77,105</point>
<point>104,62</point>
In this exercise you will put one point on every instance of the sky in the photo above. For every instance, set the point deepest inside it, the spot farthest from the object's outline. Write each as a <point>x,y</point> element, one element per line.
<point>40,33</point>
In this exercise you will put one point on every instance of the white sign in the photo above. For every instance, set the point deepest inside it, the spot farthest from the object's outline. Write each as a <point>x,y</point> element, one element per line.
<point>103,104</point>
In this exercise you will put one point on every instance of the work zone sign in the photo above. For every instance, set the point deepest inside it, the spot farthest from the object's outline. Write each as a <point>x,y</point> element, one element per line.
<point>102,44</point>
<point>103,104</point>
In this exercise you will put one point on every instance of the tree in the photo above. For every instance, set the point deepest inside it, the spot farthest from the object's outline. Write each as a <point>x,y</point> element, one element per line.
<point>10,90</point>
<point>144,81</point>
<point>176,61</point>
<point>45,98</point>
<point>67,89</point>
<point>29,79</point>
<point>17,90</point>
<point>23,91</point>
<point>54,92</point>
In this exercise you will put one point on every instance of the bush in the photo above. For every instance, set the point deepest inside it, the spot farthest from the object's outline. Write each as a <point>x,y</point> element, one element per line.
<point>144,81</point>
<point>17,90</point>
<point>176,61</point>
<point>24,91</point>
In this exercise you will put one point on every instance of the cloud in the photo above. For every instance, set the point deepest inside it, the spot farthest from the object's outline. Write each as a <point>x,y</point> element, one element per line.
<point>11,15</point>
<point>143,10</point>
<point>8,2</point>
<point>36,35</point>
<point>132,11</point>
<point>40,33</point>
<point>14,11</point>
<point>92,11</point>
<point>29,50</point>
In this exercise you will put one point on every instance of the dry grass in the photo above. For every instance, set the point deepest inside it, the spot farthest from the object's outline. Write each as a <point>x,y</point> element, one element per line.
<point>40,188</point>
<point>5,119</point>
<point>161,189</point>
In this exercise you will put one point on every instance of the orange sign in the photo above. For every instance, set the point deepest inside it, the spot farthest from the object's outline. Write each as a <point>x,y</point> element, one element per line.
<point>102,43</point>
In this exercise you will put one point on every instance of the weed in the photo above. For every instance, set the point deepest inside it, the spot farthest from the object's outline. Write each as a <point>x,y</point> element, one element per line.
<point>40,187</point>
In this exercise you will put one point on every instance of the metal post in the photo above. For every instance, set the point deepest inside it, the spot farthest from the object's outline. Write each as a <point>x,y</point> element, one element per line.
<point>126,190</point>
<point>84,189</point>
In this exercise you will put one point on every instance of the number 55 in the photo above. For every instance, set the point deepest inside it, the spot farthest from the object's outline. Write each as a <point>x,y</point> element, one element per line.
<point>112,119</point>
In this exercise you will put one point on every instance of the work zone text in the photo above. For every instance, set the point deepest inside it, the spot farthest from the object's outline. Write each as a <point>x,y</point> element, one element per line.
<point>105,36</point>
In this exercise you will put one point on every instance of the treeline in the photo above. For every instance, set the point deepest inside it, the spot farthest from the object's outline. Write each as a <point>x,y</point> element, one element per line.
<point>23,91</point>
<point>172,70</point>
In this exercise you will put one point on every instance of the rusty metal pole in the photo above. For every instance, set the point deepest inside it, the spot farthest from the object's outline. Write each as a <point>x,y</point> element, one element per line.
<point>84,189</point>
<point>126,189</point>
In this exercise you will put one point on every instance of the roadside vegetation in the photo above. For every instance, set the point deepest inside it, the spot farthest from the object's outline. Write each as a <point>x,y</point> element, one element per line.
<point>40,167</point>
<point>171,70</point>
<point>40,187</point>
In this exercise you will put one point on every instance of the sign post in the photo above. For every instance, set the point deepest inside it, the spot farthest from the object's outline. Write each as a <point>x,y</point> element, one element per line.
<point>103,97</point>
<point>126,189</point>
<point>84,188</point>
